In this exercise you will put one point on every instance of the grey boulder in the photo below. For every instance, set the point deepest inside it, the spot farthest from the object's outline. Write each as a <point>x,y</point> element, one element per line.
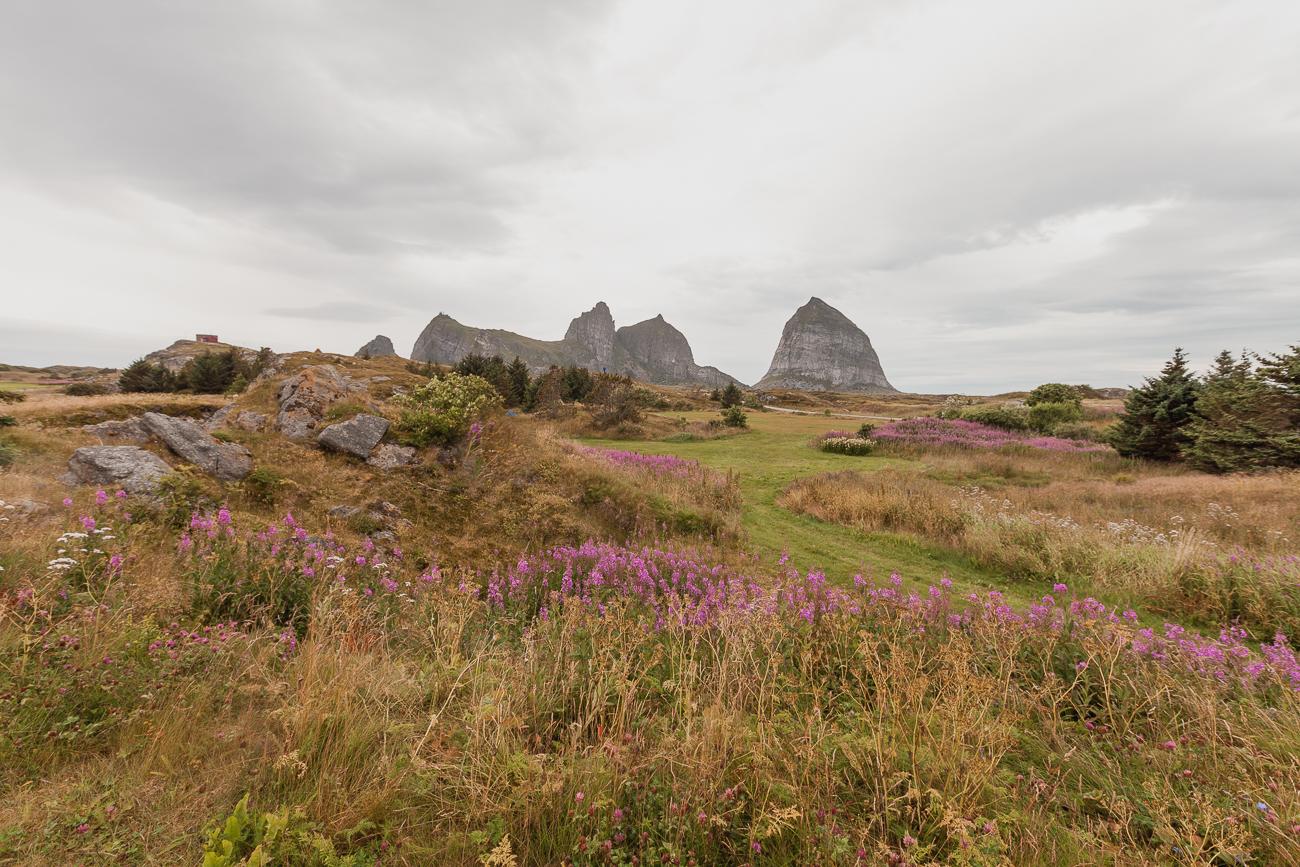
<point>130,468</point>
<point>225,461</point>
<point>390,456</point>
<point>357,436</point>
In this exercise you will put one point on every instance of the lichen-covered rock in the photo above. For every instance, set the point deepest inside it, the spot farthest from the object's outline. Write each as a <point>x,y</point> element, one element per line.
<point>821,349</point>
<point>131,429</point>
<point>378,347</point>
<point>225,461</point>
<point>304,398</point>
<point>357,436</point>
<point>130,468</point>
<point>390,456</point>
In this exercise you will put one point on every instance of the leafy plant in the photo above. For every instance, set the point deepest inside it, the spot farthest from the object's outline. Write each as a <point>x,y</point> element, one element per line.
<point>442,410</point>
<point>282,837</point>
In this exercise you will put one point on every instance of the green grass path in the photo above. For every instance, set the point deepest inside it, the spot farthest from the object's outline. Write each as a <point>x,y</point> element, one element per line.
<point>775,453</point>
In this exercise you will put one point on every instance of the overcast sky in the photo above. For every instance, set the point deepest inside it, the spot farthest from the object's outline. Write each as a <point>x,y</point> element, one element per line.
<point>998,193</point>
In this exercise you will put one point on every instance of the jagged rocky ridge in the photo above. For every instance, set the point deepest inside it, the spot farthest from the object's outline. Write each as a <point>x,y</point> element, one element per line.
<point>652,351</point>
<point>821,349</point>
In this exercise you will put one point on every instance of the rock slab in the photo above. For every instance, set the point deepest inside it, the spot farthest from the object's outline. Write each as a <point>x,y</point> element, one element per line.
<point>822,350</point>
<point>357,436</point>
<point>390,456</point>
<point>130,468</point>
<point>190,442</point>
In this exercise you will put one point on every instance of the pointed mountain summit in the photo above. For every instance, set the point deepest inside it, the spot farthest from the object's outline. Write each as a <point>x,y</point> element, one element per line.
<point>592,337</point>
<point>821,349</point>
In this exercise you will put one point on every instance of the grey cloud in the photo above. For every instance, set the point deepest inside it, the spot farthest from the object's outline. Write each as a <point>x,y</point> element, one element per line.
<point>333,311</point>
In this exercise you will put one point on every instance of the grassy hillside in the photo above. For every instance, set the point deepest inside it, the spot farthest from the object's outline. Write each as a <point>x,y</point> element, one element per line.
<point>526,649</point>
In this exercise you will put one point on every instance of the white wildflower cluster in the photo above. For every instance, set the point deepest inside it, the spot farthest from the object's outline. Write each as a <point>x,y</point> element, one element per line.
<point>77,542</point>
<point>1222,514</point>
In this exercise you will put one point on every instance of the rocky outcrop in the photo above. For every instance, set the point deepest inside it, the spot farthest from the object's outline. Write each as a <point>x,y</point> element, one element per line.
<point>305,398</point>
<point>226,461</point>
<point>821,349</point>
<point>378,347</point>
<point>653,350</point>
<point>231,417</point>
<point>130,468</point>
<point>131,429</point>
<point>357,436</point>
<point>390,456</point>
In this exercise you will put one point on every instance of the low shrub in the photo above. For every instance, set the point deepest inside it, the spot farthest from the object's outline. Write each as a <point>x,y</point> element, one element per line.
<point>262,486</point>
<point>85,389</point>
<point>11,396</point>
<point>856,446</point>
<point>734,416</point>
<point>8,453</point>
<point>1044,417</point>
<point>866,429</point>
<point>1007,418</point>
<point>1075,430</point>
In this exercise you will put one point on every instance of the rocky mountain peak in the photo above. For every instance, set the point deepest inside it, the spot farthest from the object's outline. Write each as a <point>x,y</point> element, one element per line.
<point>592,336</point>
<point>821,348</point>
<point>378,347</point>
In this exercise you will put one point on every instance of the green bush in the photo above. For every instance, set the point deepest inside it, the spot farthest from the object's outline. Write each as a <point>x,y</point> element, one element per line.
<point>731,396</point>
<point>85,389</point>
<point>8,421</point>
<point>11,396</point>
<point>262,486</point>
<point>866,429</point>
<point>1045,417</point>
<point>1006,417</point>
<point>734,416</point>
<point>856,446</point>
<point>8,453</point>
<point>442,410</point>
<point>1074,430</point>
<point>1053,392</point>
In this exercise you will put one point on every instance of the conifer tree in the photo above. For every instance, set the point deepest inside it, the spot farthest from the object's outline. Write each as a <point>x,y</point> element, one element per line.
<point>1156,415</point>
<point>520,379</point>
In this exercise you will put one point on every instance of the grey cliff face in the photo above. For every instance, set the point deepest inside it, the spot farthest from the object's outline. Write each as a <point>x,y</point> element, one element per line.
<point>821,349</point>
<point>591,338</point>
<point>653,350</point>
<point>378,347</point>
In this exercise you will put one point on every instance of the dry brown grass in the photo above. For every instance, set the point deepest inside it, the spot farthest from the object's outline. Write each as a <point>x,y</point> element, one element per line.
<point>1096,536</point>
